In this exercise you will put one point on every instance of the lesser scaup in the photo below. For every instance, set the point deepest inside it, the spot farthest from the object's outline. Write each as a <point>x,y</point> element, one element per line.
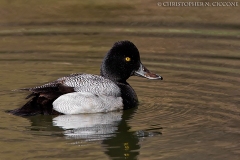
<point>86,93</point>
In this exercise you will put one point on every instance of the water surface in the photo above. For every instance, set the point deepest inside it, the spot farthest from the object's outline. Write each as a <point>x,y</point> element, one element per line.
<point>192,114</point>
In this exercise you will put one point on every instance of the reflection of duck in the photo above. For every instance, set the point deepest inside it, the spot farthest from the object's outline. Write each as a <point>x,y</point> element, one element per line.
<point>111,129</point>
<point>86,93</point>
<point>90,127</point>
<point>125,144</point>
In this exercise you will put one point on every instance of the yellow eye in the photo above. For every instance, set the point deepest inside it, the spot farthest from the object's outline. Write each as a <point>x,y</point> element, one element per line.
<point>128,59</point>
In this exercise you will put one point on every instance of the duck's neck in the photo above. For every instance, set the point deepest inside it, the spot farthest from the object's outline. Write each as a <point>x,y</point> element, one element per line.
<point>114,79</point>
<point>114,76</point>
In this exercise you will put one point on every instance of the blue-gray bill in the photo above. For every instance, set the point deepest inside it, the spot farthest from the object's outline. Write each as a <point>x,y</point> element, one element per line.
<point>144,72</point>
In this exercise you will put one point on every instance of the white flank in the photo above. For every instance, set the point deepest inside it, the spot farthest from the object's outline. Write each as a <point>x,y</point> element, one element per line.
<point>86,102</point>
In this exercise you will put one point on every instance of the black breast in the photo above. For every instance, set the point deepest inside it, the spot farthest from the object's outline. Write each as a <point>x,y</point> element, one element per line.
<point>128,95</point>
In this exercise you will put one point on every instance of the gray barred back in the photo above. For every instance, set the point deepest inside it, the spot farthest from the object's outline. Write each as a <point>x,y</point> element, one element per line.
<point>86,83</point>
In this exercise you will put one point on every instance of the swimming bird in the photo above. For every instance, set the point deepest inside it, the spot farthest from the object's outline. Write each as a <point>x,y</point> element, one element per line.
<point>87,93</point>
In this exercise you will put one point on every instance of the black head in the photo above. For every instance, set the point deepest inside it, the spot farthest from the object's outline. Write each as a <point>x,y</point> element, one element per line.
<point>123,61</point>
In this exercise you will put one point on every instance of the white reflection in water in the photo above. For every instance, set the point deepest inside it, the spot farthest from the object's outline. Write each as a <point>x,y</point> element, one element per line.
<point>90,127</point>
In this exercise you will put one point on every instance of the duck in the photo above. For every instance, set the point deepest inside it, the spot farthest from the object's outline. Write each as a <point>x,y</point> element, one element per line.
<point>87,93</point>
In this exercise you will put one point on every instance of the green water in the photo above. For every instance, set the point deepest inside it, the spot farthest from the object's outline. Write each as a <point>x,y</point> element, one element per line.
<point>192,114</point>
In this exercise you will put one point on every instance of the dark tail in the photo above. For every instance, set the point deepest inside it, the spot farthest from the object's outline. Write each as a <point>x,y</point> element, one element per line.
<point>36,105</point>
<point>41,99</point>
